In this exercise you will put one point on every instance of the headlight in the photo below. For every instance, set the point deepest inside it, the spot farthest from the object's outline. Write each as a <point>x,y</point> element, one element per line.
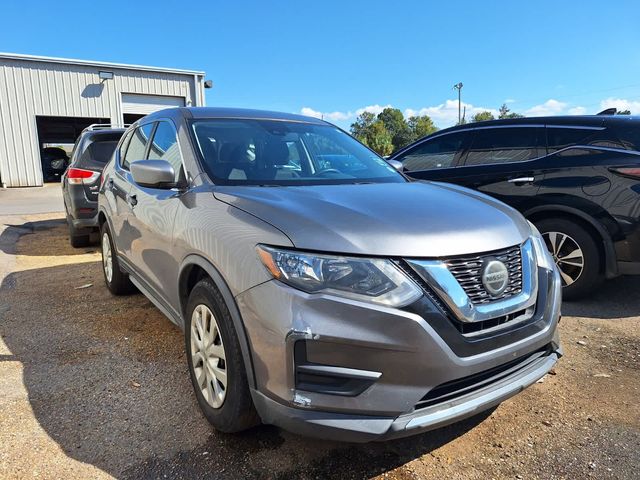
<point>371,280</point>
<point>544,258</point>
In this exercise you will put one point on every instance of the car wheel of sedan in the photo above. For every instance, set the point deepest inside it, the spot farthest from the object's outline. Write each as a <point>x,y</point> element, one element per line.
<point>215,361</point>
<point>117,281</point>
<point>576,255</point>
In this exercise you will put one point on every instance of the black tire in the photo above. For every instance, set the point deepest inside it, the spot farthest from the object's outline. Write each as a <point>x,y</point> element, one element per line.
<point>236,412</point>
<point>77,240</point>
<point>119,284</point>
<point>591,275</point>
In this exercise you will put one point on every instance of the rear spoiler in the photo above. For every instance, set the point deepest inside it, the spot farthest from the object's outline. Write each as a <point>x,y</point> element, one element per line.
<point>104,126</point>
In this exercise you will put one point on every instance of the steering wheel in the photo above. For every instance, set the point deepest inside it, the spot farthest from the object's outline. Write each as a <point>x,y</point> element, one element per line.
<point>328,170</point>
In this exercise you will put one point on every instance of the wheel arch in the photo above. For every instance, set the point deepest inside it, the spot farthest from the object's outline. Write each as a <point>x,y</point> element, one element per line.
<point>193,269</point>
<point>601,235</point>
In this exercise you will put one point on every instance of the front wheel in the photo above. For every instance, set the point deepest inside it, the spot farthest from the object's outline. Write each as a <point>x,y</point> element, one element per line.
<point>215,361</point>
<point>576,254</point>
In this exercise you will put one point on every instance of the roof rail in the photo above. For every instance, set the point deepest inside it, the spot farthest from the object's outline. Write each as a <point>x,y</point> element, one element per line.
<point>104,126</point>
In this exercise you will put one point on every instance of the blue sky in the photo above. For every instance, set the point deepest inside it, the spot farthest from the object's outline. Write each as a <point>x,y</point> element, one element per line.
<point>339,57</point>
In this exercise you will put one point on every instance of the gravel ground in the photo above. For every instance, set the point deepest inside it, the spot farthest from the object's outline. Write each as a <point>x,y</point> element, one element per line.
<point>93,386</point>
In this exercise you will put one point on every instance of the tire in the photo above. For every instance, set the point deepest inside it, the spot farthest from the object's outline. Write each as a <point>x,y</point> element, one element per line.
<point>77,241</point>
<point>230,408</point>
<point>570,236</point>
<point>117,281</point>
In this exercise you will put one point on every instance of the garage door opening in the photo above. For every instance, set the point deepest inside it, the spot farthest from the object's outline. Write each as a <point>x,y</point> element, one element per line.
<point>56,137</point>
<point>136,105</point>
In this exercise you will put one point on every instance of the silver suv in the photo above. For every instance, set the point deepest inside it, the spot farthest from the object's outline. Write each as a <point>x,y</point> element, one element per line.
<point>318,288</point>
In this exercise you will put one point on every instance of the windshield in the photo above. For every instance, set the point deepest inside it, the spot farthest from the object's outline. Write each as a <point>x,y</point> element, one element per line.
<point>270,152</point>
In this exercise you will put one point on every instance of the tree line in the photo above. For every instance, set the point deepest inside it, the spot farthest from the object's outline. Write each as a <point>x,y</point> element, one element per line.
<point>389,130</point>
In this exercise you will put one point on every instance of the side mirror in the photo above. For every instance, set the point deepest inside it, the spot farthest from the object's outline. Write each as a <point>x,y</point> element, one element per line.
<point>153,174</point>
<point>396,164</point>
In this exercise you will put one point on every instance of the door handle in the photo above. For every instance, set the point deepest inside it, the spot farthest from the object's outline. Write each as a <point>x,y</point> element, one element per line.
<point>132,200</point>
<point>522,180</point>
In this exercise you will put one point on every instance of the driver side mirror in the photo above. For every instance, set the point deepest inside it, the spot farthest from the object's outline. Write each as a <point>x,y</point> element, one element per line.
<point>153,174</point>
<point>396,164</point>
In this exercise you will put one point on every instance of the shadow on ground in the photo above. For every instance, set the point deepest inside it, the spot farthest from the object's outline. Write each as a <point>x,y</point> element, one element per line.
<point>106,379</point>
<point>616,298</point>
<point>53,239</point>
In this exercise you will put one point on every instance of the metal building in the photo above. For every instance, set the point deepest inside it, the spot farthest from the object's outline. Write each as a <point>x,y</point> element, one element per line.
<point>48,101</point>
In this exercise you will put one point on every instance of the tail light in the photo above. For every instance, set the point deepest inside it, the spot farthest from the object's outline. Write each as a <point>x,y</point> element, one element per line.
<point>78,176</point>
<point>633,172</point>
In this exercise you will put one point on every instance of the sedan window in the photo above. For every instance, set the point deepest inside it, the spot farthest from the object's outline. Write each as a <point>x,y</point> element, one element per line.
<point>503,145</point>
<point>439,152</point>
<point>165,147</point>
<point>137,145</point>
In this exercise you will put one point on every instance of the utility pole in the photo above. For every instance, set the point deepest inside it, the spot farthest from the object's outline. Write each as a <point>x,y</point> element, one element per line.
<point>458,86</point>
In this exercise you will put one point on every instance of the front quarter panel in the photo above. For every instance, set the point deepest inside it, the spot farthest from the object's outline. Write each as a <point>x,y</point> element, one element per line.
<point>224,236</point>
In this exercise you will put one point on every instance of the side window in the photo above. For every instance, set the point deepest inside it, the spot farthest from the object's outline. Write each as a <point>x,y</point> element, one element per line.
<point>503,145</point>
<point>437,153</point>
<point>559,138</point>
<point>137,145</point>
<point>165,147</point>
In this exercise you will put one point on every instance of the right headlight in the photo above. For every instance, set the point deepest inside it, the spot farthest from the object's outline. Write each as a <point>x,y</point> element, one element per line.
<point>373,280</point>
<point>544,258</point>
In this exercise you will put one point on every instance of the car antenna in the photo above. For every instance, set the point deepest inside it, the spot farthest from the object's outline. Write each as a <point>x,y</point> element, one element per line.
<point>608,111</point>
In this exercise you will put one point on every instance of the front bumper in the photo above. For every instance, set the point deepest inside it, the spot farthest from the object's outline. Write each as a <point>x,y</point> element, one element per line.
<point>405,354</point>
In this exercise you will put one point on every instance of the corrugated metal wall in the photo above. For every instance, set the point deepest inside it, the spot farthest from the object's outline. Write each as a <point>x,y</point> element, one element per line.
<point>29,88</point>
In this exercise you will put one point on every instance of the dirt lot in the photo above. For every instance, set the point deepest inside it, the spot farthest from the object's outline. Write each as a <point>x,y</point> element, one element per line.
<point>93,386</point>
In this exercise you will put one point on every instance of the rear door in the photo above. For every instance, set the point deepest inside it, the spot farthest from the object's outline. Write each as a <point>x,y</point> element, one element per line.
<point>95,152</point>
<point>502,161</point>
<point>153,212</point>
<point>436,157</point>
<point>118,187</point>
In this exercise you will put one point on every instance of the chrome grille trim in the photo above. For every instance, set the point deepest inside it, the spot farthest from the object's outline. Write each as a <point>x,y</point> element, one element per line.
<point>441,280</point>
<point>468,272</point>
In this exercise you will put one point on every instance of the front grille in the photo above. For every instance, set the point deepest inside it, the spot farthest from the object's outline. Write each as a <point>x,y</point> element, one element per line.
<point>464,386</point>
<point>468,273</point>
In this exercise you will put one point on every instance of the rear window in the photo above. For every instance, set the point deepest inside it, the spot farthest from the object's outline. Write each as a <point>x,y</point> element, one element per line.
<point>98,149</point>
<point>504,145</point>
<point>563,137</point>
<point>629,136</point>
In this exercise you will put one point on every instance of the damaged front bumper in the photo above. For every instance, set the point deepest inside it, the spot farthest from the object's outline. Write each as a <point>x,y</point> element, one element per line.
<point>351,371</point>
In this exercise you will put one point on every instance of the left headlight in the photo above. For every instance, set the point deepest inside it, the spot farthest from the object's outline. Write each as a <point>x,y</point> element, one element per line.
<point>371,280</point>
<point>544,258</point>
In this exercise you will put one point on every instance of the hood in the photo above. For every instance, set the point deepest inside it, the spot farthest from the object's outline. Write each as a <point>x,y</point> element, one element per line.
<point>420,219</point>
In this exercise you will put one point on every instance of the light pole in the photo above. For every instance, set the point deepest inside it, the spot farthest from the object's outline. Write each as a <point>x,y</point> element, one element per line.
<point>458,86</point>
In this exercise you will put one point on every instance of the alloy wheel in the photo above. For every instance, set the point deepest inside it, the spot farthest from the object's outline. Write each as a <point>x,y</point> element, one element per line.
<point>567,254</point>
<point>107,258</point>
<point>208,357</point>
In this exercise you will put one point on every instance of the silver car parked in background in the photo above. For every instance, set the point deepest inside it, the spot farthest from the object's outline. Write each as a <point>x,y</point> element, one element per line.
<point>319,289</point>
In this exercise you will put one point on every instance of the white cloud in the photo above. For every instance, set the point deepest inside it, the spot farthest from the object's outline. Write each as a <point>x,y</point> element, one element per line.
<point>510,100</point>
<point>550,107</point>
<point>375,109</point>
<point>621,104</point>
<point>577,111</point>
<point>333,116</point>
<point>446,114</point>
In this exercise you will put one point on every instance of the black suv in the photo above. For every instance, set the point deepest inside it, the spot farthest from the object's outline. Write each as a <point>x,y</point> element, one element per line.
<point>81,181</point>
<point>576,178</point>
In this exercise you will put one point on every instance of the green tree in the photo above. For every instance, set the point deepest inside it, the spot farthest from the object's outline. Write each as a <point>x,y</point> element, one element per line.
<point>623,112</point>
<point>373,133</point>
<point>397,126</point>
<point>483,116</point>
<point>505,112</point>
<point>380,139</point>
<point>421,126</point>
